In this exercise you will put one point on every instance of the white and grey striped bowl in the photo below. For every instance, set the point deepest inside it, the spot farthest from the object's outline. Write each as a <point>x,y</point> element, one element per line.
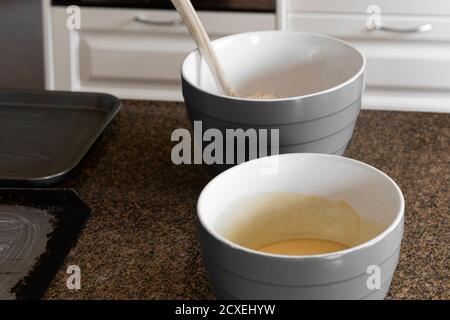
<point>240,273</point>
<point>321,78</point>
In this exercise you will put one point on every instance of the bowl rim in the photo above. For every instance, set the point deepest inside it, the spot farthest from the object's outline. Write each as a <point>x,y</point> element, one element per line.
<point>337,254</point>
<point>291,98</point>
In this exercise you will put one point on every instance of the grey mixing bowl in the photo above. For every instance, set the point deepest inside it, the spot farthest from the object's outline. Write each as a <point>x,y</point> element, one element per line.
<point>237,272</point>
<point>320,80</point>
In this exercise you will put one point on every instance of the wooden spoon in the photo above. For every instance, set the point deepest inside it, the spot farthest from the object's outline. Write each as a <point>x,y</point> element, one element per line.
<point>198,33</point>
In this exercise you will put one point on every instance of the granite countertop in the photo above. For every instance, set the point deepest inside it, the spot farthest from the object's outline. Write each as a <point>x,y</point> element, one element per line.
<point>140,242</point>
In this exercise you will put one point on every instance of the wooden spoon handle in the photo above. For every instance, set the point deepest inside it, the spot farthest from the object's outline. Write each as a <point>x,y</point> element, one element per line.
<point>195,27</point>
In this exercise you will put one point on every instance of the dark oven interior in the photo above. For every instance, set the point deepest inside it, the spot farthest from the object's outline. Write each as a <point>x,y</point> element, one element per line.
<point>214,5</point>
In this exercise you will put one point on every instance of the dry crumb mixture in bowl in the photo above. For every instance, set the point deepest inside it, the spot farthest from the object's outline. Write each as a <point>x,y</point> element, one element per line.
<point>261,95</point>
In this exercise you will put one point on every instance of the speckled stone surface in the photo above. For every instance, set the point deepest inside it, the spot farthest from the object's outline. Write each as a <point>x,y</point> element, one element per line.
<point>140,242</point>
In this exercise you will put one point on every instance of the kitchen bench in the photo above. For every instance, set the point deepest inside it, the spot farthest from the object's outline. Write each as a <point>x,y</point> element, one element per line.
<point>140,242</point>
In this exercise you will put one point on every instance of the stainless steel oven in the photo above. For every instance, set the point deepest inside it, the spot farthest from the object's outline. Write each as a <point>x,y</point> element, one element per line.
<point>213,5</point>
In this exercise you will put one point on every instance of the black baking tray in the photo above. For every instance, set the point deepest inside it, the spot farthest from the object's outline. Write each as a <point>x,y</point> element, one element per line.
<point>45,134</point>
<point>38,229</point>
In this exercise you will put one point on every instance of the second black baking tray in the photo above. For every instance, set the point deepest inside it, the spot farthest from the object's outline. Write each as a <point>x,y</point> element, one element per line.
<point>38,227</point>
<point>45,134</point>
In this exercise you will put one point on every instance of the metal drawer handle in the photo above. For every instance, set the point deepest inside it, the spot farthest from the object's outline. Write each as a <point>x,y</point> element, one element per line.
<point>423,28</point>
<point>170,23</point>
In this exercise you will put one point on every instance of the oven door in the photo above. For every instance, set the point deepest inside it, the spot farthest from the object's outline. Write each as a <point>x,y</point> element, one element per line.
<point>212,5</point>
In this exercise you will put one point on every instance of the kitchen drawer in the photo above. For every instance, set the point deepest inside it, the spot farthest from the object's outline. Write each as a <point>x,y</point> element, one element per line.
<point>404,7</point>
<point>404,71</point>
<point>354,26</point>
<point>418,60</point>
<point>216,23</point>
<point>112,52</point>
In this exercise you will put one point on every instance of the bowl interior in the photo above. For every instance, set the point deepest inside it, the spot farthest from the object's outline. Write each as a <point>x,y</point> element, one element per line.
<point>369,191</point>
<point>285,64</point>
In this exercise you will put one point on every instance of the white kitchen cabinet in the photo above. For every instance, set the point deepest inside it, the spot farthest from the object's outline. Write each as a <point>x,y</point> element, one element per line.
<point>405,71</point>
<point>112,52</point>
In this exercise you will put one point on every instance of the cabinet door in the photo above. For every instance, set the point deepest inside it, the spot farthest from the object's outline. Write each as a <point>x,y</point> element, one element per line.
<point>113,52</point>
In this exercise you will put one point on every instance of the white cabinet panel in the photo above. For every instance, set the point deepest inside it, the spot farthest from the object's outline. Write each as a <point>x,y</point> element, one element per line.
<point>144,57</point>
<point>401,65</point>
